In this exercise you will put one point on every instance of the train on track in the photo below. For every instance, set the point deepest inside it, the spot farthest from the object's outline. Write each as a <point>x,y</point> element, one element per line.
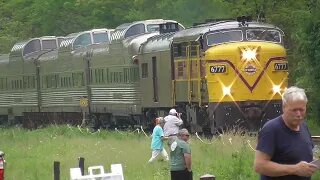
<point>219,74</point>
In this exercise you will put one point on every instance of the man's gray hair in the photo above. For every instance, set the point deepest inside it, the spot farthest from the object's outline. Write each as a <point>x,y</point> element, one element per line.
<point>183,131</point>
<point>292,94</point>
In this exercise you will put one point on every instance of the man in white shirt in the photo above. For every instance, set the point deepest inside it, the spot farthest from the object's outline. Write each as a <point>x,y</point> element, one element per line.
<point>171,127</point>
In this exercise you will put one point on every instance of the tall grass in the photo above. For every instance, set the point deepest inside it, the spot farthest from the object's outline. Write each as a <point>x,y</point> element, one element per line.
<point>30,154</point>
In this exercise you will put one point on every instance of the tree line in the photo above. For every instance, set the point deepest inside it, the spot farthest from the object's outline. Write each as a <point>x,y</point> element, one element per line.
<point>300,20</point>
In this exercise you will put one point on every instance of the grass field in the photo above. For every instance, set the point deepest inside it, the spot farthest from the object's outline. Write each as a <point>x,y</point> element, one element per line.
<point>30,154</point>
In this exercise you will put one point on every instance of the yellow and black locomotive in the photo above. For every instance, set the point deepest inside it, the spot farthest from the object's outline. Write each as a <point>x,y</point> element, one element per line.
<point>224,74</point>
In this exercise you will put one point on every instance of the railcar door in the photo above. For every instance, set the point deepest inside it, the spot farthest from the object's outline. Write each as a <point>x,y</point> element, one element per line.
<point>155,79</point>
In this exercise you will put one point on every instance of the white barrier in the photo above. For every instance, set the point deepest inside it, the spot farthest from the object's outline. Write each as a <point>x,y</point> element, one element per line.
<point>116,173</point>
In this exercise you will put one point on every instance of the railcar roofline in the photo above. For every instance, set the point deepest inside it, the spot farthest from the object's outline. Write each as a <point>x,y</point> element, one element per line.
<point>126,30</point>
<point>33,45</point>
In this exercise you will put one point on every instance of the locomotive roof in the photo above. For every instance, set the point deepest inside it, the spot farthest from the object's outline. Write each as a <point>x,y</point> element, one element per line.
<point>193,33</point>
<point>23,48</point>
<point>69,39</point>
<point>120,32</point>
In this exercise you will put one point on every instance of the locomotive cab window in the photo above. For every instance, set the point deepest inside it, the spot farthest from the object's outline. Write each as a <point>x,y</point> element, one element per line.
<point>272,35</point>
<point>100,38</point>
<point>220,37</point>
<point>82,40</point>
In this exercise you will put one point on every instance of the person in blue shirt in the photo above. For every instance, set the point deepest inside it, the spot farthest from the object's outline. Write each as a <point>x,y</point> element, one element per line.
<point>284,148</point>
<point>157,141</point>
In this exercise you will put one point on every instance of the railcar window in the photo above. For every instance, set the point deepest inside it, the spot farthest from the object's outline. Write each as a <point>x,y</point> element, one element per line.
<point>91,76</point>
<point>69,81</point>
<point>99,76</point>
<point>60,41</point>
<point>66,42</point>
<point>135,74</point>
<point>51,81</point>
<point>153,28</point>
<point>29,82</point>
<point>272,35</point>
<point>32,46</point>
<point>78,79</point>
<point>117,77</point>
<point>82,40</point>
<point>63,82</point>
<point>223,37</point>
<point>111,77</point>
<point>144,69</point>
<point>3,83</point>
<point>100,38</point>
<point>180,69</point>
<point>120,74</point>
<point>135,30</point>
<point>66,81</point>
<point>179,50</point>
<point>126,75</point>
<point>107,77</point>
<point>16,84</point>
<point>194,49</point>
<point>49,44</point>
<point>13,84</point>
<point>20,84</point>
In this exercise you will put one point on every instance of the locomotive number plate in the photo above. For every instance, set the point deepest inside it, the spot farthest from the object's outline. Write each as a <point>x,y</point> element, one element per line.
<point>280,66</point>
<point>218,69</point>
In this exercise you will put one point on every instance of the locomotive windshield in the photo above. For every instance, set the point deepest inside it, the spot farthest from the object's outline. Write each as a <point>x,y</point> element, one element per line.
<point>219,37</point>
<point>224,36</point>
<point>272,35</point>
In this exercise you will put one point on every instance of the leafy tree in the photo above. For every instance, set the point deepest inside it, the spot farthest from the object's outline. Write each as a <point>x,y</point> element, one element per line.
<point>309,42</point>
<point>186,12</point>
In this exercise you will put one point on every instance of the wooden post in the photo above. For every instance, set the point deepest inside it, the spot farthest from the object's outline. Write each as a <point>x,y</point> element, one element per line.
<point>208,177</point>
<point>81,165</point>
<point>56,170</point>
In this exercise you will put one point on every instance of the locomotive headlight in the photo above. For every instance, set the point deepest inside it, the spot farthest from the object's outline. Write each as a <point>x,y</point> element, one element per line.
<point>276,89</point>
<point>226,91</point>
<point>249,54</point>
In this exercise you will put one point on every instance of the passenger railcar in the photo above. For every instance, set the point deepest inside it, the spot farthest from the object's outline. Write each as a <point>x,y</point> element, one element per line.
<point>98,66</point>
<point>19,76</point>
<point>221,74</point>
